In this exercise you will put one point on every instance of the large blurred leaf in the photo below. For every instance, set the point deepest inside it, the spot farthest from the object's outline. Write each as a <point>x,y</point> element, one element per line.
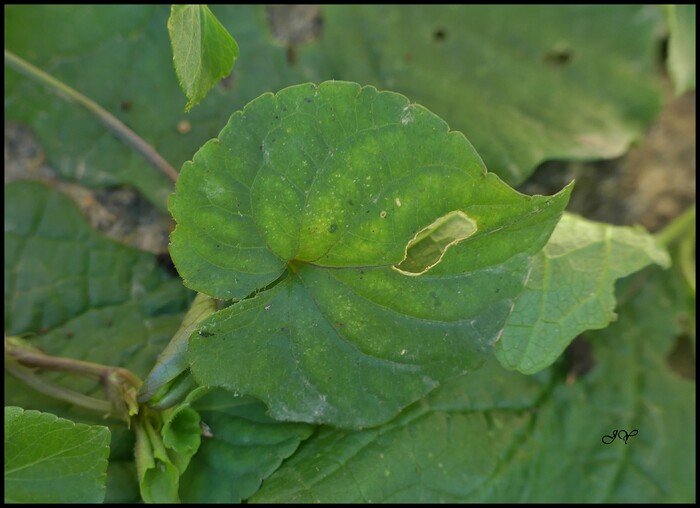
<point>120,56</point>
<point>499,436</point>
<point>571,289</point>
<point>203,51</point>
<point>681,46</point>
<point>241,447</point>
<point>80,295</point>
<point>302,186</point>
<point>524,83</point>
<point>52,460</point>
<point>83,295</point>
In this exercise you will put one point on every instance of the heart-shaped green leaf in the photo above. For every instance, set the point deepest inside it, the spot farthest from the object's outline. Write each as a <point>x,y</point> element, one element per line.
<point>327,191</point>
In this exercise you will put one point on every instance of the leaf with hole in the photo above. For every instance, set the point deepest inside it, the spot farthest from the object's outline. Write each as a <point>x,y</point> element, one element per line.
<point>311,201</point>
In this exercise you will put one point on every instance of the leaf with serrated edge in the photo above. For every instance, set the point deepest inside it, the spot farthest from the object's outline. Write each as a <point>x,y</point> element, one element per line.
<point>571,288</point>
<point>322,188</point>
<point>53,460</point>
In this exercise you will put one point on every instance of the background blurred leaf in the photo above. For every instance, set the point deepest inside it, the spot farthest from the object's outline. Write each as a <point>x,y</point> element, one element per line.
<point>120,56</point>
<point>524,83</point>
<point>52,460</point>
<point>80,295</point>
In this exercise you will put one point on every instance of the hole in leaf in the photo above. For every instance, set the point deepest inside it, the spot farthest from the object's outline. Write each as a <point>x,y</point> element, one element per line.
<point>681,358</point>
<point>439,35</point>
<point>428,246</point>
<point>558,56</point>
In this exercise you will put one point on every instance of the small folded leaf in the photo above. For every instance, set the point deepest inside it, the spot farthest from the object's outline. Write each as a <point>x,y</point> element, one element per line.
<point>203,51</point>
<point>571,288</point>
<point>53,460</point>
<point>158,476</point>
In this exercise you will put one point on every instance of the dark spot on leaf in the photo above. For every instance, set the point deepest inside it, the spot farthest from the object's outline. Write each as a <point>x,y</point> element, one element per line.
<point>498,290</point>
<point>351,202</point>
<point>205,334</point>
<point>332,228</point>
<point>440,35</point>
<point>126,105</point>
<point>261,146</point>
<point>338,323</point>
<point>109,323</point>
<point>558,56</point>
<point>282,329</point>
<point>307,99</point>
<point>681,358</point>
<point>277,117</point>
<point>70,335</point>
<point>284,109</point>
<point>579,356</point>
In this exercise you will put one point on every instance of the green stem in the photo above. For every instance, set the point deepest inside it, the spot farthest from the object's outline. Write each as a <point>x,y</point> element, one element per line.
<point>110,121</point>
<point>119,384</point>
<point>57,391</point>
<point>62,364</point>
<point>679,227</point>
